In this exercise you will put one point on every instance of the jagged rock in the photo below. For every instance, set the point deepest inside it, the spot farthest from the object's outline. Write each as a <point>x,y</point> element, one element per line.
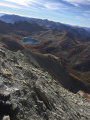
<point>5,108</point>
<point>13,90</point>
<point>8,108</point>
<point>14,109</point>
<point>4,95</point>
<point>1,83</point>
<point>2,53</point>
<point>23,101</point>
<point>6,118</point>
<point>34,94</point>
<point>43,97</point>
<point>6,72</point>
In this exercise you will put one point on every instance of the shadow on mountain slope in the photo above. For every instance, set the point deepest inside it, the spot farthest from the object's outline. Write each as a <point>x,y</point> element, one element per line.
<point>52,65</point>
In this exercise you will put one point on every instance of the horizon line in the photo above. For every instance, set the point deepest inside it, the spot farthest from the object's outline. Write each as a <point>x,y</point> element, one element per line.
<point>73,25</point>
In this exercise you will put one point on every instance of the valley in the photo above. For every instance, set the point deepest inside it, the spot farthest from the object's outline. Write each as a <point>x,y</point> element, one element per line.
<point>72,50</point>
<point>44,71</point>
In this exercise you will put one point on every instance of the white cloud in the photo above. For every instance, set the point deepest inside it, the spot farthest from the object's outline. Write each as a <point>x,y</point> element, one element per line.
<point>1,11</point>
<point>55,6</point>
<point>9,5</point>
<point>50,5</point>
<point>23,2</point>
<point>18,6</point>
<point>78,2</point>
<point>5,12</point>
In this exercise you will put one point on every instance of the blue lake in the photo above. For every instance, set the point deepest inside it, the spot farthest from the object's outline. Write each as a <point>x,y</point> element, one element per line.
<point>27,40</point>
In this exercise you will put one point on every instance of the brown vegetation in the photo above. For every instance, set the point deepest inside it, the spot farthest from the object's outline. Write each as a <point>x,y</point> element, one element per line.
<point>72,51</point>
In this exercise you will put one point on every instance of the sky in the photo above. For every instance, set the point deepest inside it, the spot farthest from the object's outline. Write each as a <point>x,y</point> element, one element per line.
<point>73,12</point>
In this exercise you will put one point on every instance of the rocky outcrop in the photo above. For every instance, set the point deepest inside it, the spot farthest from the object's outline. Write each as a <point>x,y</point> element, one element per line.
<point>6,118</point>
<point>29,92</point>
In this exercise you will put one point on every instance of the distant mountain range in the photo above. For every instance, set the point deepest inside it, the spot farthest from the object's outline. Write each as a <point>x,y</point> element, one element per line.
<point>1,14</point>
<point>88,29</point>
<point>47,24</point>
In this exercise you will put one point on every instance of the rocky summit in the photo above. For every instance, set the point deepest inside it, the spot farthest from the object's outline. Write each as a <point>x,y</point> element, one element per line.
<point>29,92</point>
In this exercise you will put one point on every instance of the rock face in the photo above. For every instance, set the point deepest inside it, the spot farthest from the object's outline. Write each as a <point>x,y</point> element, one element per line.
<point>6,118</point>
<point>30,93</point>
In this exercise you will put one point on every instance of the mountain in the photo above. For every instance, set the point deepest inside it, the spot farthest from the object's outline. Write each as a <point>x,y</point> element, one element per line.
<point>72,50</point>
<point>12,18</point>
<point>49,80</point>
<point>86,28</point>
<point>29,91</point>
<point>5,28</point>
<point>20,26</point>
<point>46,23</point>
<point>1,14</point>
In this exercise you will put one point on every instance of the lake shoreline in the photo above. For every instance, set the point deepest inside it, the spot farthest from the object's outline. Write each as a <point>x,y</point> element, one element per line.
<point>27,40</point>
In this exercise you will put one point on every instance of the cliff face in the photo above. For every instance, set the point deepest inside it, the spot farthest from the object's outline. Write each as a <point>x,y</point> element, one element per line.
<point>28,92</point>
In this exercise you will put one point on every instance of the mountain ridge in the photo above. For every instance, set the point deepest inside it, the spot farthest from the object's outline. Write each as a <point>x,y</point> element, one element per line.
<point>46,23</point>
